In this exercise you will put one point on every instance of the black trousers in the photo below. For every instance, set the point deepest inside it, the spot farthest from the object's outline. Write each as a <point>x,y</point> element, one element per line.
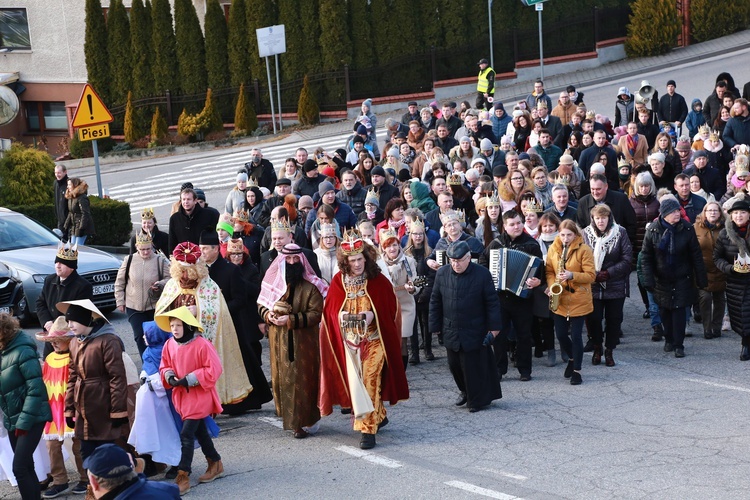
<point>674,321</point>
<point>192,430</point>
<point>543,333</point>
<point>518,315</point>
<point>611,311</point>
<point>23,461</point>
<point>136,320</point>
<point>475,374</point>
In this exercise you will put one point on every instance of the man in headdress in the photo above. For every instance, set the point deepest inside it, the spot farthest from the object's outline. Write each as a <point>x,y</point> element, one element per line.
<point>360,337</point>
<point>291,302</point>
<point>281,234</point>
<point>65,284</point>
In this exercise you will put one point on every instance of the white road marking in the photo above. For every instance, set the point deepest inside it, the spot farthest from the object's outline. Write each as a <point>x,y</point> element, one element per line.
<point>276,422</point>
<point>509,475</point>
<point>370,457</point>
<point>471,488</point>
<point>723,386</point>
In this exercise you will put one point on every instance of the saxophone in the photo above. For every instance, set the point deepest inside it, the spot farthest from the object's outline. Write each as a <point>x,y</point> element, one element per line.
<point>556,289</point>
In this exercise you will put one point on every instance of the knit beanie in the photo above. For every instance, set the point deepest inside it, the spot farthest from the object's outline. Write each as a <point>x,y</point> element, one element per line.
<point>668,205</point>
<point>324,187</point>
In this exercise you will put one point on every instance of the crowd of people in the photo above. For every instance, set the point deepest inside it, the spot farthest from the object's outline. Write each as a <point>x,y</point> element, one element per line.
<point>488,232</point>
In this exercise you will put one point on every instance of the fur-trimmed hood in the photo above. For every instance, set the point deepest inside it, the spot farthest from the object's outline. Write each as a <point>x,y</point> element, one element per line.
<point>77,191</point>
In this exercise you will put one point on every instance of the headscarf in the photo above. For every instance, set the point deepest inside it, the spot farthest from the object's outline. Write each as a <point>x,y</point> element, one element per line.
<point>421,194</point>
<point>274,284</point>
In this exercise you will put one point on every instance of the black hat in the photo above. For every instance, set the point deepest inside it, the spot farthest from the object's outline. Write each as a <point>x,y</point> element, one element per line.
<point>671,82</point>
<point>668,205</point>
<point>378,171</point>
<point>200,194</point>
<point>186,185</point>
<point>483,61</point>
<point>739,205</point>
<point>309,165</point>
<point>500,171</point>
<point>358,139</point>
<point>78,314</point>
<point>404,175</point>
<point>341,152</point>
<point>401,135</point>
<point>283,182</point>
<point>498,105</point>
<point>701,153</point>
<point>458,249</point>
<point>570,89</point>
<point>209,238</point>
<point>412,103</point>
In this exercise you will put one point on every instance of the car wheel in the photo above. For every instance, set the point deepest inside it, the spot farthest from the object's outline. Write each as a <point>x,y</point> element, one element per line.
<point>24,315</point>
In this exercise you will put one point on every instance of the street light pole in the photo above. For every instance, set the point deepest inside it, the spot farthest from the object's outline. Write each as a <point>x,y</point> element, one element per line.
<point>539,9</point>
<point>492,52</point>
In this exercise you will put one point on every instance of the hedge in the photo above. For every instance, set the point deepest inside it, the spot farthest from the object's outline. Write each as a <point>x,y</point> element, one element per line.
<point>111,219</point>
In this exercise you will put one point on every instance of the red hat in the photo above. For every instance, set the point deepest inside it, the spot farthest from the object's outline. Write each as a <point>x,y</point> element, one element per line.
<point>186,252</point>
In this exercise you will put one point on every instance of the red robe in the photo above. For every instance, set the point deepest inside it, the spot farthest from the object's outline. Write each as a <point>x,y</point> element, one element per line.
<point>334,389</point>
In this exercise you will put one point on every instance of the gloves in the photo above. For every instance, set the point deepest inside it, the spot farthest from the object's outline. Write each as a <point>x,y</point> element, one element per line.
<point>119,422</point>
<point>20,432</point>
<point>602,276</point>
<point>70,422</point>
<point>488,339</point>
<point>171,380</point>
<point>181,381</point>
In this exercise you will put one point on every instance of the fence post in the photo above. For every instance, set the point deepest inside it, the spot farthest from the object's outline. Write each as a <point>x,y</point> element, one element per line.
<point>348,91</point>
<point>433,63</point>
<point>256,89</point>
<point>515,47</point>
<point>596,26</point>
<point>168,96</point>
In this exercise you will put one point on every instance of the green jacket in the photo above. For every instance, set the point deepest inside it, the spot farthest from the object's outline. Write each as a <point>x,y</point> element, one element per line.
<point>23,395</point>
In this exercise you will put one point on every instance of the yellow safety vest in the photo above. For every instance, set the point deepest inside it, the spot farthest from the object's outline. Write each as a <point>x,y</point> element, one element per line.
<point>483,84</point>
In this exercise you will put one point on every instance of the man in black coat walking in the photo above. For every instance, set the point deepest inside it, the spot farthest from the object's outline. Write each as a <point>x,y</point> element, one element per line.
<point>465,309</point>
<point>190,220</point>
<point>61,204</point>
<point>622,210</point>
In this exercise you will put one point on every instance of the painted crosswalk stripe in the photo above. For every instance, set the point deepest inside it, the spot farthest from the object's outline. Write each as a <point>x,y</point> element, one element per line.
<point>370,457</point>
<point>478,490</point>
<point>722,386</point>
<point>276,422</point>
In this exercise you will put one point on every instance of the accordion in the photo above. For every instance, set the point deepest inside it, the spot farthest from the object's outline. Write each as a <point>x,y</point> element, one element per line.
<point>511,268</point>
<point>440,257</point>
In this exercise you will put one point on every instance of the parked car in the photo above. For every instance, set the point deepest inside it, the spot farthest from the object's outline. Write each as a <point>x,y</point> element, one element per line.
<point>12,299</point>
<point>29,249</point>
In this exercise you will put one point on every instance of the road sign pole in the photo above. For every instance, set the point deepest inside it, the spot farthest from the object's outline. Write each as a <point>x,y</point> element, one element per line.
<point>270,95</point>
<point>278,91</point>
<point>96,164</point>
<point>492,52</point>
<point>539,8</point>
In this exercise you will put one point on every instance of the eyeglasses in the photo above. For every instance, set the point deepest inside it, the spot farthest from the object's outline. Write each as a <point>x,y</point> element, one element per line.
<point>516,178</point>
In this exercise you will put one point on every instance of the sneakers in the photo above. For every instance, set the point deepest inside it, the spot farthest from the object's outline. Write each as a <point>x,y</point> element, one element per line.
<point>56,490</point>
<point>183,482</point>
<point>215,471</point>
<point>575,378</point>
<point>80,488</point>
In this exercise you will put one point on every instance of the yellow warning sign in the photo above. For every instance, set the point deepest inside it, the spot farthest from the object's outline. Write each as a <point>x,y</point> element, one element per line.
<point>94,132</point>
<point>91,110</point>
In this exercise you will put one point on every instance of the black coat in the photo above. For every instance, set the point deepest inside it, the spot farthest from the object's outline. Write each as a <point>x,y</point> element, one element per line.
<point>53,291</point>
<point>61,204</point>
<point>672,108</point>
<point>464,307</point>
<point>525,244</point>
<point>355,198</point>
<point>646,210</point>
<point>184,227</point>
<point>590,155</point>
<point>622,211</point>
<point>263,173</point>
<point>738,284</point>
<point>673,284</point>
<point>264,213</point>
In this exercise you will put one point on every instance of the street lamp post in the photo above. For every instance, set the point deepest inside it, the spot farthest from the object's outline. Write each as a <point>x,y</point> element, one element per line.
<point>539,6</point>
<point>492,52</point>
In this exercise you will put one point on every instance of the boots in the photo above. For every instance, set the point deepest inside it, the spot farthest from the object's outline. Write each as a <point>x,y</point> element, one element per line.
<point>608,359</point>
<point>596,357</point>
<point>183,482</point>
<point>215,470</point>
<point>658,335</point>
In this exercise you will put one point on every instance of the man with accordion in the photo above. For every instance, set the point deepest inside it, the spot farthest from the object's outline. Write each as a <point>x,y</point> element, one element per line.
<point>515,262</point>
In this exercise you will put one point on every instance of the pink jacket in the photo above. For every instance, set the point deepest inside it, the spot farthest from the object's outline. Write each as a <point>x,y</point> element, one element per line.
<point>198,357</point>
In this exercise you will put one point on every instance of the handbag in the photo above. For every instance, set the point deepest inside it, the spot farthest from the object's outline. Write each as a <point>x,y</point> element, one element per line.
<point>155,293</point>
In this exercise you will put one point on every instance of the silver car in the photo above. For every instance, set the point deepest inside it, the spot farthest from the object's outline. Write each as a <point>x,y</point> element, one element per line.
<point>29,250</point>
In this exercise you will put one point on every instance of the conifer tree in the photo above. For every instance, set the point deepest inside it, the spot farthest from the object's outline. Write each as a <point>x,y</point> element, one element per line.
<point>454,22</point>
<point>653,28</point>
<point>95,50</point>
<point>361,34</point>
<point>132,132</point>
<point>191,53</point>
<point>387,35</point>
<point>335,45</point>
<point>140,41</point>
<point>217,63</point>
<point>711,19</point>
<point>166,76</point>
<point>310,24</point>
<point>292,62</point>
<point>120,55</point>
<point>245,120</point>
<point>308,112</point>
<point>159,129</point>
<point>429,19</point>
<point>210,114</point>
<point>260,14</point>
<point>239,44</point>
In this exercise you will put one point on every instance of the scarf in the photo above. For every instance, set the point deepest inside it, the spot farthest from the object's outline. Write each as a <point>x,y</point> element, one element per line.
<point>632,143</point>
<point>407,159</point>
<point>393,224</point>
<point>545,241</point>
<point>666,245</point>
<point>534,233</point>
<point>603,244</point>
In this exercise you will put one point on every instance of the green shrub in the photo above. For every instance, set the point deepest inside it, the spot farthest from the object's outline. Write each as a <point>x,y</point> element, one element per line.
<point>85,149</point>
<point>710,19</point>
<point>653,28</point>
<point>308,112</point>
<point>26,176</point>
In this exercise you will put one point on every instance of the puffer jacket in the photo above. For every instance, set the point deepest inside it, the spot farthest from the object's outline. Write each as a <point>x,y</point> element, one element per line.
<point>464,307</point>
<point>143,273</point>
<point>646,210</point>
<point>354,197</point>
<point>738,284</point>
<point>618,263</point>
<point>717,280</point>
<point>576,299</point>
<point>673,285</point>
<point>23,396</point>
<point>235,201</point>
<point>79,221</point>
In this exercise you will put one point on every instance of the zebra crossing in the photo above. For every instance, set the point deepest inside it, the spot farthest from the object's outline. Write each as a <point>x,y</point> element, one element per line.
<point>215,175</point>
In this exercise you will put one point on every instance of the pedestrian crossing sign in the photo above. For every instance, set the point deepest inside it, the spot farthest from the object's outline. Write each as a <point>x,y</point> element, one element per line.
<point>91,109</point>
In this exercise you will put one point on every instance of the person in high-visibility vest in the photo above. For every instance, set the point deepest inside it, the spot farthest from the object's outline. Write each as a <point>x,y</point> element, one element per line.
<point>485,85</point>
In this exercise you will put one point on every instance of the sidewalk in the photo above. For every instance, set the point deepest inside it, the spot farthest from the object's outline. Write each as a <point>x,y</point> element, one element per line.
<point>511,90</point>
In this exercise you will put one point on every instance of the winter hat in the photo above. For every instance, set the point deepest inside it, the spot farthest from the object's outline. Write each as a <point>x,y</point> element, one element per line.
<point>668,205</point>
<point>377,171</point>
<point>242,177</point>
<point>401,135</point>
<point>362,130</point>
<point>498,105</point>
<point>517,113</point>
<point>671,82</point>
<point>225,223</point>
<point>186,185</point>
<point>290,202</point>
<point>200,194</point>
<point>465,138</point>
<point>309,165</point>
<point>393,152</point>
<point>324,187</point>
<point>701,153</point>
<point>267,191</point>
<point>210,238</point>
<point>566,160</point>
<point>500,171</point>
<point>623,91</point>
<point>305,202</point>
<point>683,144</point>
<point>358,138</point>
<point>486,145</point>
<point>506,139</point>
<point>368,103</point>
<point>283,181</point>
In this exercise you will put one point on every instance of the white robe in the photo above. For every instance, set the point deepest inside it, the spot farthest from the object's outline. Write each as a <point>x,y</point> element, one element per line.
<point>154,431</point>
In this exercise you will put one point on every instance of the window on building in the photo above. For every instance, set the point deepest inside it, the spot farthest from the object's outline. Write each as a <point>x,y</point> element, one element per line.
<point>46,116</point>
<point>14,29</point>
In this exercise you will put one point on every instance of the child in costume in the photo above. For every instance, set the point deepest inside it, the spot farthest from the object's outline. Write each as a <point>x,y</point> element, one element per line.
<point>55,376</point>
<point>191,367</point>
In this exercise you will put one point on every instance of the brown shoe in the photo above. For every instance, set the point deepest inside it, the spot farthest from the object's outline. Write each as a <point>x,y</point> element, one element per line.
<point>183,482</point>
<point>215,470</point>
<point>140,465</point>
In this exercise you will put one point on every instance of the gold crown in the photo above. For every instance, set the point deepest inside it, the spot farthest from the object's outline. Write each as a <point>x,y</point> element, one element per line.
<point>387,234</point>
<point>416,225</point>
<point>66,252</point>
<point>533,206</point>
<point>714,136</point>
<point>493,201</point>
<point>251,182</point>
<point>449,216</point>
<point>742,165</point>
<point>352,243</point>
<point>741,265</point>
<point>455,179</point>
<point>327,230</point>
<point>372,197</point>
<point>564,180</point>
<point>280,225</point>
<point>143,238</point>
<point>461,216</point>
<point>147,214</point>
<point>704,129</point>
<point>242,215</point>
<point>235,246</point>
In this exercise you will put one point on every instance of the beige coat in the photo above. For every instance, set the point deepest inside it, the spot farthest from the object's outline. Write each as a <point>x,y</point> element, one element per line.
<point>142,274</point>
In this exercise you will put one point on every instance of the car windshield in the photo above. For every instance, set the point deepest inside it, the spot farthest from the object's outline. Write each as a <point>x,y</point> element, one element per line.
<point>18,231</point>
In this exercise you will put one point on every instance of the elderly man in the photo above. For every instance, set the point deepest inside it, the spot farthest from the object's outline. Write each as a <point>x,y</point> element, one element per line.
<point>560,207</point>
<point>574,177</point>
<point>466,290</point>
<point>453,232</point>
<point>622,210</point>
<point>281,234</point>
<point>352,193</point>
<point>190,220</point>
<point>592,154</point>
<point>712,180</point>
<point>261,170</point>
<point>412,114</point>
<point>112,475</point>
<point>393,127</point>
<point>564,109</point>
<point>283,188</point>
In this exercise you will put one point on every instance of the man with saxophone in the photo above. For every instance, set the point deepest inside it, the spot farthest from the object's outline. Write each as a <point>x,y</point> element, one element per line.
<point>517,313</point>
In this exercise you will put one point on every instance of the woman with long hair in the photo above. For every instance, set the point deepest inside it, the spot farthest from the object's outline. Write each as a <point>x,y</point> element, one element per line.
<point>490,225</point>
<point>464,150</point>
<point>522,130</point>
<point>570,265</point>
<point>613,261</point>
<point>543,328</point>
<point>575,145</point>
<point>511,187</point>
<point>664,146</point>
<point>721,119</point>
<point>291,171</point>
<point>418,248</point>
<point>79,224</point>
<point>708,226</point>
<point>364,168</point>
<point>394,218</point>
<point>253,201</point>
